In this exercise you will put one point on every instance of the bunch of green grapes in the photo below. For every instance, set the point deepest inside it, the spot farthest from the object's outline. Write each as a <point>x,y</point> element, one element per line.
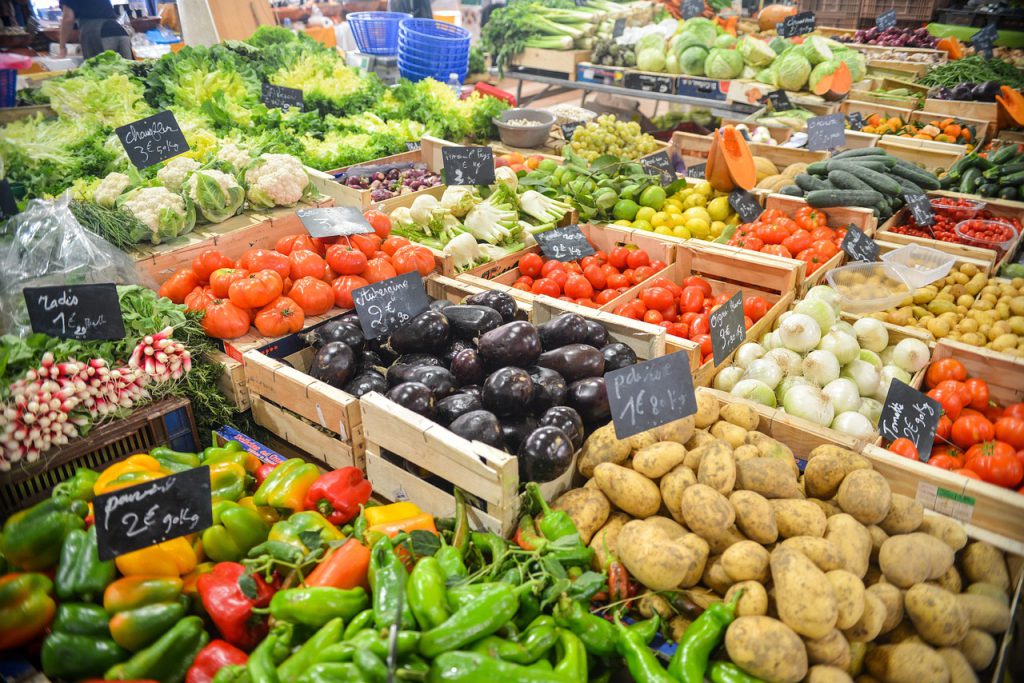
<point>608,135</point>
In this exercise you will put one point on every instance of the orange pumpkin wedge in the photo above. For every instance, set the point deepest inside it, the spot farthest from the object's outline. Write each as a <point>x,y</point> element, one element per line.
<point>1013,102</point>
<point>739,161</point>
<point>717,170</point>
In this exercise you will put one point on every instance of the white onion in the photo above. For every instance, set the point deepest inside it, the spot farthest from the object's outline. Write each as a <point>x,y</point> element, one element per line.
<point>820,367</point>
<point>840,344</point>
<point>748,353</point>
<point>756,391</point>
<point>888,373</point>
<point>871,409</point>
<point>764,370</point>
<point>846,327</point>
<point>886,355</point>
<point>788,360</point>
<point>810,403</point>
<point>788,383</point>
<point>865,375</point>
<point>911,355</point>
<point>771,341</point>
<point>871,334</point>
<point>726,378</point>
<point>843,393</point>
<point>800,333</point>
<point>826,294</point>
<point>820,311</point>
<point>781,319</point>
<point>854,424</point>
<point>871,357</point>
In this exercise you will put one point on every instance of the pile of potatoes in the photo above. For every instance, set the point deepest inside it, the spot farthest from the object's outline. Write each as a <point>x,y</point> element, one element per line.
<point>841,578</point>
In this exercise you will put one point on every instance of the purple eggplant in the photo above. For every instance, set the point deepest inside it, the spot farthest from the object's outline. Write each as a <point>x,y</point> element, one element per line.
<point>589,398</point>
<point>426,332</point>
<point>508,391</point>
<point>516,343</point>
<point>333,363</point>
<point>549,388</point>
<point>452,407</point>
<point>566,419</point>
<point>574,361</point>
<point>544,455</point>
<point>478,425</point>
<point>617,356</point>
<point>416,397</point>
<point>562,330</point>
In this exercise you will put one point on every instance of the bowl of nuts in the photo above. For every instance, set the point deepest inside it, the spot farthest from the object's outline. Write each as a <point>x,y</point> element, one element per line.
<point>524,127</point>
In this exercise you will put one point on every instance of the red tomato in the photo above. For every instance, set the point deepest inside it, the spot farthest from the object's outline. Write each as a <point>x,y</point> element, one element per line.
<point>1015,410</point>
<point>343,287</point>
<point>945,369</point>
<point>617,280</point>
<point>667,284</point>
<point>1011,430</point>
<point>637,258</point>
<point>578,287</point>
<point>380,223</point>
<point>393,244</point>
<point>344,260</point>
<point>978,389</point>
<point>656,298</point>
<point>289,243</point>
<point>827,248</point>
<point>618,257</point>
<point>597,277</point>
<point>970,430</point>
<point>904,448</point>
<point>822,233</point>
<point>314,297</point>
<point>369,244</point>
<point>559,277</point>
<point>550,266</point>
<point>944,462</point>
<point>378,269</point>
<point>699,327</point>
<point>755,306</point>
<point>658,265</point>
<point>950,452</point>
<point>547,286</point>
<point>703,340</point>
<point>961,390</point>
<point>679,330</point>
<point>996,463</point>
<point>950,400</point>
<point>179,285</point>
<point>653,317</point>
<point>531,264</point>
<point>256,260</point>
<point>777,250</point>
<point>304,262</point>
<point>798,241</point>
<point>209,261</point>
<point>694,280</point>
<point>970,474</point>
<point>604,296</point>
<point>692,299</point>
<point>642,273</point>
<point>944,427</point>
<point>413,257</point>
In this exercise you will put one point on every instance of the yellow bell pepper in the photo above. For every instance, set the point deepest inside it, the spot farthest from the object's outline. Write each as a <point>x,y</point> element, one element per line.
<point>267,514</point>
<point>175,557</point>
<point>132,464</point>
<point>387,514</point>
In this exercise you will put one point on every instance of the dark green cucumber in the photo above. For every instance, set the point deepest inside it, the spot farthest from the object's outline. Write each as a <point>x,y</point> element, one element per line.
<point>877,181</point>
<point>907,186</point>
<point>823,199</point>
<point>1012,179</point>
<point>1004,170</point>
<point>947,182</point>
<point>918,176</point>
<point>970,180</point>
<point>818,168</point>
<point>989,189</point>
<point>1008,193</point>
<point>862,152</point>
<point>809,182</point>
<point>1004,154</point>
<point>843,180</point>
<point>793,191</point>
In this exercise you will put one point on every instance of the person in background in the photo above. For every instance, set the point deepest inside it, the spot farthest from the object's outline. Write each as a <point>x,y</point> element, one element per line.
<point>98,29</point>
<point>419,9</point>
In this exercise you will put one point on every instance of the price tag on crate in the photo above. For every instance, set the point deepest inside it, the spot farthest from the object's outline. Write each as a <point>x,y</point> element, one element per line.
<point>886,20</point>
<point>660,163</point>
<point>745,204</point>
<point>564,244</point>
<point>826,132</point>
<point>728,327</point>
<point>140,516</point>
<point>692,8</point>
<point>859,246</point>
<point>412,146</point>
<point>696,171</point>
<point>920,207</point>
<point>280,97</point>
<point>649,83</point>
<point>618,27</point>
<point>468,165</point>
<point>856,120</point>
<point>796,25</point>
<point>569,128</point>
<point>385,306</point>
<point>650,394</point>
<point>153,139</point>
<point>81,312</point>
<point>8,206</point>
<point>779,100</point>
<point>983,40</point>
<point>907,413</point>
<point>334,221</point>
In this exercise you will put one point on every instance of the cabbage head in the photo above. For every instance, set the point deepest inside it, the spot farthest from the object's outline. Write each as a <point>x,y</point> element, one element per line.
<point>725,41</point>
<point>756,52</point>
<point>701,28</point>
<point>779,45</point>
<point>723,64</point>
<point>681,41</point>
<point>217,195</point>
<point>650,59</point>
<point>855,62</point>
<point>692,60</point>
<point>768,76</point>
<point>816,50</point>
<point>793,70</point>
<point>650,41</point>
<point>672,63</point>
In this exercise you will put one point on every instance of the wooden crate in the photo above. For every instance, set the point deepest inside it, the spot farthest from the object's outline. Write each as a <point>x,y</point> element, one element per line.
<point>232,380</point>
<point>908,101</point>
<point>784,156</point>
<point>980,126</point>
<point>855,139</point>
<point>992,113</point>
<point>556,61</point>
<point>933,156</point>
<point>866,109</point>
<point>455,290</point>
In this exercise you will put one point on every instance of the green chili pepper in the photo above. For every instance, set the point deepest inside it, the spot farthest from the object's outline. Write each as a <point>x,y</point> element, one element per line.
<point>473,667</point>
<point>316,605</point>
<point>643,665</point>
<point>460,596</point>
<point>232,673</point>
<point>552,524</point>
<point>727,672</point>
<point>490,545</point>
<point>387,579</point>
<point>481,618</point>
<point>378,644</point>
<point>261,665</point>
<point>358,623</point>
<point>426,593</point>
<point>572,656</point>
<point>596,633</point>
<point>702,636</point>
<point>647,629</point>
<point>332,672</point>
<point>304,657</point>
<point>451,563</point>
<point>174,461</point>
<point>371,666</point>
<point>460,536</point>
<point>578,555</point>
<point>168,659</point>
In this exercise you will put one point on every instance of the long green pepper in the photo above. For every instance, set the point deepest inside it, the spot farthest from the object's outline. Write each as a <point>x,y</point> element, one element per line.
<point>388,578</point>
<point>476,620</point>
<point>426,593</point>
<point>689,664</point>
<point>304,657</point>
<point>643,665</point>
<point>552,524</point>
<point>727,672</point>
<point>572,656</point>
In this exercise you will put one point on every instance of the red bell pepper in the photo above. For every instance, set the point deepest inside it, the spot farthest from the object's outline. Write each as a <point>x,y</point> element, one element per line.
<point>212,658</point>
<point>338,494</point>
<point>230,607</point>
<point>263,470</point>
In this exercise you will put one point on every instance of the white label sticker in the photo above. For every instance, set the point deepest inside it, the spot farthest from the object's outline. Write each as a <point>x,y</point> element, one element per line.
<point>946,502</point>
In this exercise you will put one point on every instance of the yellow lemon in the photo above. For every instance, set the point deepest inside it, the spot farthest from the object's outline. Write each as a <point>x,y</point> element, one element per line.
<point>719,209</point>
<point>671,209</point>
<point>695,200</point>
<point>677,219</point>
<point>683,193</point>
<point>717,227</point>
<point>663,230</point>
<point>698,228</point>
<point>624,223</point>
<point>699,213</point>
<point>682,232</point>
<point>642,225</point>
<point>704,188</point>
<point>660,218</point>
<point>644,215</point>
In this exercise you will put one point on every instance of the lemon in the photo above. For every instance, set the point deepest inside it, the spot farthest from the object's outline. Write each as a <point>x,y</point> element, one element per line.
<point>695,200</point>
<point>653,196</point>
<point>719,209</point>
<point>625,209</point>
<point>698,212</point>
<point>663,230</point>
<point>733,219</point>
<point>660,218</point>
<point>717,227</point>
<point>704,188</point>
<point>698,228</point>
<point>624,223</point>
<point>681,231</point>
<point>642,225</point>
<point>644,214</point>
<point>683,193</point>
<point>671,209</point>
<point>677,219</point>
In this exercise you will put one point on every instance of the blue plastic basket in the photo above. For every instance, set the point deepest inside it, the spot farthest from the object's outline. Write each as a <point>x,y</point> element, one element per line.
<point>376,33</point>
<point>8,87</point>
<point>415,73</point>
<point>432,49</point>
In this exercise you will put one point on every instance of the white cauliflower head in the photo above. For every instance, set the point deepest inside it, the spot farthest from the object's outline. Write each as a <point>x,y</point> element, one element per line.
<point>110,188</point>
<point>217,195</point>
<point>175,171</point>
<point>165,213</point>
<point>277,180</point>
<point>234,155</point>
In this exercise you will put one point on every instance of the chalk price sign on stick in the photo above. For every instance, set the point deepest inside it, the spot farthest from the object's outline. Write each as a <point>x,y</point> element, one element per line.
<point>909,414</point>
<point>468,165</point>
<point>280,97</point>
<point>650,394</point>
<point>79,312</point>
<point>334,221</point>
<point>728,327</point>
<point>385,306</point>
<point>564,244</point>
<point>153,139</point>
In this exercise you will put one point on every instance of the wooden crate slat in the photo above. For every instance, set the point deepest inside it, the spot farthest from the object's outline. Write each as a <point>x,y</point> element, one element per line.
<point>330,450</point>
<point>648,341</point>
<point>1003,373</point>
<point>740,266</point>
<point>232,381</point>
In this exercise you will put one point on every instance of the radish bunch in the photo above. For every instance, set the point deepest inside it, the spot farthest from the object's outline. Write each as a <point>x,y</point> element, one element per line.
<point>160,357</point>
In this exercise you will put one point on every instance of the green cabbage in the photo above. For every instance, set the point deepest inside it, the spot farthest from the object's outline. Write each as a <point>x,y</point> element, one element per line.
<point>779,45</point>
<point>692,60</point>
<point>725,41</point>
<point>723,64</point>
<point>672,63</point>
<point>768,76</point>
<point>703,29</point>
<point>855,62</point>
<point>682,41</point>
<point>816,50</point>
<point>756,52</point>
<point>793,69</point>
<point>650,59</point>
<point>651,40</point>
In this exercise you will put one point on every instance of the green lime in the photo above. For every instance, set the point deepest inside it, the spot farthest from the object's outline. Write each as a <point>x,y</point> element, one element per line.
<point>547,165</point>
<point>625,209</point>
<point>653,196</point>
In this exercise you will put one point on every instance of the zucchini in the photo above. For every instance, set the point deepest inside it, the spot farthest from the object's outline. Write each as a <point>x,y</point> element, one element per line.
<point>970,180</point>
<point>878,181</point>
<point>1005,169</point>
<point>966,163</point>
<point>947,182</point>
<point>818,168</point>
<point>907,186</point>
<point>823,199</point>
<point>843,180</point>
<point>862,152</point>
<point>918,176</point>
<point>1004,154</point>
<point>793,191</point>
<point>1012,179</point>
<point>1008,193</point>
<point>809,182</point>
<point>989,189</point>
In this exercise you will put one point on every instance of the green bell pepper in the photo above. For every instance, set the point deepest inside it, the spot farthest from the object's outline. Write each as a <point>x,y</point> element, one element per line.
<point>78,487</point>
<point>80,574</point>
<point>316,605</point>
<point>136,628</point>
<point>303,658</point>
<point>174,461</point>
<point>33,538</point>
<point>80,645</point>
<point>168,659</point>
<point>236,530</point>
<point>234,452</point>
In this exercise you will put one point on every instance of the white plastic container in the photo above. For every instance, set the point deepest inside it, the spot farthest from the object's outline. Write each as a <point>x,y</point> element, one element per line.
<point>868,287</point>
<point>919,266</point>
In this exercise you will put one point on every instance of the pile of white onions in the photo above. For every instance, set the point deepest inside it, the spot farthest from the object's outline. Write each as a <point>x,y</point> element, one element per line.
<point>817,367</point>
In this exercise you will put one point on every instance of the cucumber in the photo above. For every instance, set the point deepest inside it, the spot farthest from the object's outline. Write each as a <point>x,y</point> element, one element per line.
<point>1008,193</point>
<point>947,182</point>
<point>1004,154</point>
<point>843,180</point>
<point>918,176</point>
<point>793,191</point>
<point>1012,179</point>
<point>852,165</point>
<point>908,186</point>
<point>823,199</point>
<point>862,152</point>
<point>989,189</point>
<point>970,180</point>
<point>877,181</point>
<point>1005,169</point>
<point>818,168</point>
<point>809,182</point>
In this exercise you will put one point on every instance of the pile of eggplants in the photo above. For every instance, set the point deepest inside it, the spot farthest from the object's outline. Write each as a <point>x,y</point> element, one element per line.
<point>477,369</point>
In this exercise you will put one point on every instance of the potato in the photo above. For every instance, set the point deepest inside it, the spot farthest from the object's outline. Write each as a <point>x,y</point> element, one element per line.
<point>672,486</point>
<point>605,540</point>
<point>740,415</point>
<point>707,410</point>
<point>914,558</point>
<point>821,551</point>
<point>706,511</point>
<point>849,593</point>
<point>670,527</point>
<point>754,516</point>
<point>857,653</point>
<point>865,494</point>
<point>766,648</point>
<point>651,603</point>
<point>588,508</point>
<point>945,529</point>
<point>715,577</point>
<point>677,626</point>
<point>729,433</point>
<point>703,597</point>
<point>983,562</point>
<point>825,473</point>
<point>697,548</point>
<point>718,470</point>
<point>906,663</point>
<point>798,518</point>
<point>602,446</point>
<point>904,631</point>
<point>771,477</point>
<point>746,452</point>
<point>656,460</point>
<point>629,491</point>
<point>878,537</point>
<point>803,594</point>
<point>985,613</point>
<point>951,581</point>
<point>720,542</point>
<point>892,598</point>
<point>753,602</point>
<point>827,674</point>
<point>642,440</point>
<point>994,592</point>
<point>648,553</point>
<point>696,455</point>
<point>936,614</point>
<point>905,515</point>
<point>870,623</point>
<point>832,649</point>
<point>979,648</point>
<point>831,449</point>
<point>746,561</point>
<point>699,438</point>
<point>773,448</point>
<point>678,431</point>
<point>960,670</point>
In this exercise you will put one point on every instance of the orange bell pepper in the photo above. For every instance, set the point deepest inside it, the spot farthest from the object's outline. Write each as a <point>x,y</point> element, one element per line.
<point>421,522</point>
<point>344,567</point>
<point>385,514</point>
<point>175,557</point>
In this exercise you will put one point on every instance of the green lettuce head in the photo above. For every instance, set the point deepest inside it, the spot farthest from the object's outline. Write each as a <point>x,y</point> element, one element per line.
<point>650,59</point>
<point>756,52</point>
<point>723,64</point>
<point>701,28</point>
<point>816,50</point>
<point>653,41</point>
<point>217,195</point>
<point>692,60</point>
<point>792,70</point>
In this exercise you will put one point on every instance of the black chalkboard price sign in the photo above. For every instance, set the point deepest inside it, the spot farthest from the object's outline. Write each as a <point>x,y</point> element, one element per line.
<point>886,20</point>
<point>796,25</point>
<point>920,207</point>
<point>569,128</point>
<point>745,204</point>
<point>618,27</point>
<point>334,221</point>
<point>280,97</point>
<point>385,306</point>
<point>75,311</point>
<point>692,8</point>
<point>856,120</point>
<point>779,100</point>
<point>140,516</point>
<point>650,394</point>
<point>983,40</point>
<point>412,146</point>
<point>907,413</point>
<point>859,246</point>
<point>8,207</point>
<point>153,139</point>
<point>564,244</point>
<point>660,163</point>
<point>696,171</point>
<point>728,327</point>
<point>468,165</point>
<point>826,132</point>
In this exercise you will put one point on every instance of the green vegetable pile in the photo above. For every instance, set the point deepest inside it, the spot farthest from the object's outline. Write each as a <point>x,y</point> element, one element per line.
<point>973,69</point>
<point>997,174</point>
